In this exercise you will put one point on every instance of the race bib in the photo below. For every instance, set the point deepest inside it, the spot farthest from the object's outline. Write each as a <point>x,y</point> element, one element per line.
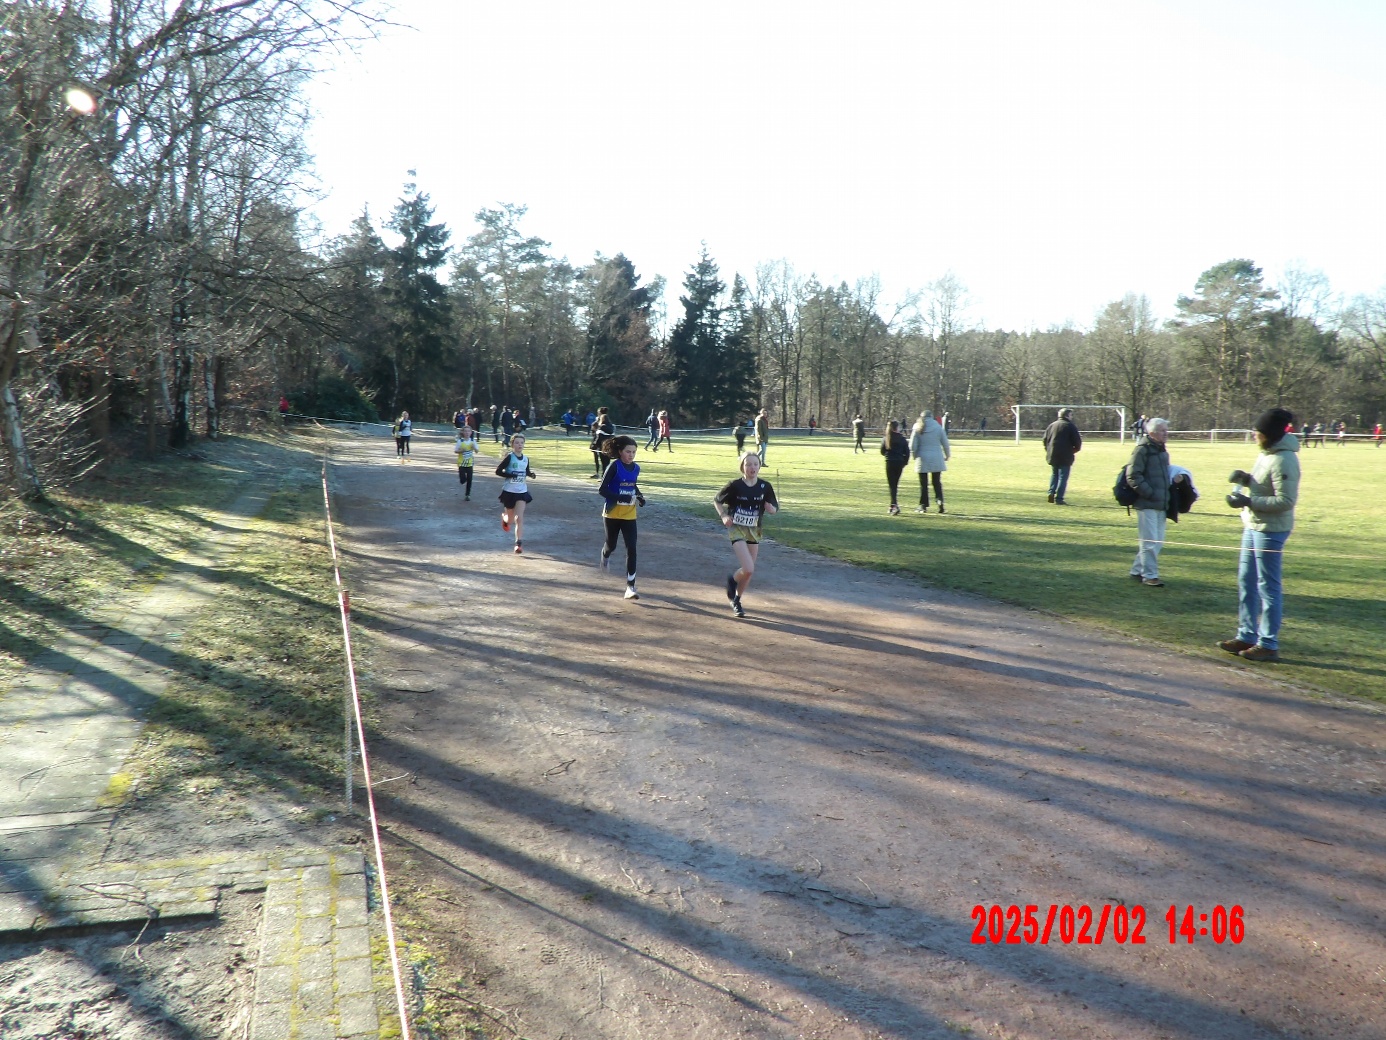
<point>745,517</point>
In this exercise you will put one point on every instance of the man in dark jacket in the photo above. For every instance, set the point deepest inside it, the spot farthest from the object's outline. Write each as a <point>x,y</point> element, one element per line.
<point>1148,475</point>
<point>1062,442</point>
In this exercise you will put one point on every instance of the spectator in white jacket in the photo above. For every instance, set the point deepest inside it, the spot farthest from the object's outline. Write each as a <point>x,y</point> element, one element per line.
<point>930,449</point>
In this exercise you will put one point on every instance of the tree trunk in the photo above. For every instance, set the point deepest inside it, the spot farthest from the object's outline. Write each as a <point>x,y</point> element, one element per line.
<point>25,473</point>
<point>99,411</point>
<point>151,402</point>
<point>210,369</point>
<point>180,431</point>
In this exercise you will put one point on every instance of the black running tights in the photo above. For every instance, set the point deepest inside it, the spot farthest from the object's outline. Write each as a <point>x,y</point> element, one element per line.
<point>626,529</point>
<point>893,471</point>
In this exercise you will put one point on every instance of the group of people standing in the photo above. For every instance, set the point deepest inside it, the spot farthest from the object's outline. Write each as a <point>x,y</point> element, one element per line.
<point>1160,490</point>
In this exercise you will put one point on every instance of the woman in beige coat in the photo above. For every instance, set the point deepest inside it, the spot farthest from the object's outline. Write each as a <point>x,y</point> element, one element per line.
<point>930,449</point>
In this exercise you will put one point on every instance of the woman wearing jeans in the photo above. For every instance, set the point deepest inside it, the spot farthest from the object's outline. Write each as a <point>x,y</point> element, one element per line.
<point>1268,517</point>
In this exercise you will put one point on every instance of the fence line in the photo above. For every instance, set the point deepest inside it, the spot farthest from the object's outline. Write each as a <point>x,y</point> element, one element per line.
<point>344,608</point>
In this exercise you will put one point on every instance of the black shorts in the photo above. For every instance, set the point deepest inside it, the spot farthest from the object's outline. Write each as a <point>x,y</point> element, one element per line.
<point>509,498</point>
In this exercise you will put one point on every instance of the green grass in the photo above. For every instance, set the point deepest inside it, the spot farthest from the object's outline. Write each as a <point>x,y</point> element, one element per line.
<point>256,697</point>
<point>1000,538</point>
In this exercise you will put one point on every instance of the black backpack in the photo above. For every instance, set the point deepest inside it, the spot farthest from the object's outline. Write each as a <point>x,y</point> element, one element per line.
<point>1123,492</point>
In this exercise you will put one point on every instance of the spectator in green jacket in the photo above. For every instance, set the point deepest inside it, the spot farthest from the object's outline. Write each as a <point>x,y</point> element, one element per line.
<point>1268,517</point>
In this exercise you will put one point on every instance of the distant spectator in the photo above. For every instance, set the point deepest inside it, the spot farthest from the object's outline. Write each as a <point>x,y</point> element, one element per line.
<point>664,429</point>
<point>652,424</point>
<point>813,424</point>
<point>740,434</point>
<point>762,433</point>
<point>1062,442</point>
<point>897,453</point>
<point>858,432</point>
<point>601,429</point>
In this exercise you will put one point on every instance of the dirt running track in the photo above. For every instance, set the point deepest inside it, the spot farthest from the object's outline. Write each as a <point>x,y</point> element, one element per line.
<point>656,821</point>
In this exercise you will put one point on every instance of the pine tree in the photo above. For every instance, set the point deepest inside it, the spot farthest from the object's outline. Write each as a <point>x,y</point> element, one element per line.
<point>419,330</point>
<point>622,366</point>
<point>696,346</point>
<point>737,387</point>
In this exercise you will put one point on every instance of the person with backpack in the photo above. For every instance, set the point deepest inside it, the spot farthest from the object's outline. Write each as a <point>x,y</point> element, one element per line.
<point>514,496</point>
<point>739,432</point>
<point>1148,474</point>
<point>600,428</point>
<point>1268,517</point>
<point>620,488</point>
<point>1062,443</point>
<point>897,453</point>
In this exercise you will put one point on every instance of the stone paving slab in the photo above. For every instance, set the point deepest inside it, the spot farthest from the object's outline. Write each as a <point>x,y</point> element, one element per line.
<point>314,977</point>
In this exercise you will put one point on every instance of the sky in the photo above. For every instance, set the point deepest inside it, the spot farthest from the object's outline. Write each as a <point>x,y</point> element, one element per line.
<point>1053,155</point>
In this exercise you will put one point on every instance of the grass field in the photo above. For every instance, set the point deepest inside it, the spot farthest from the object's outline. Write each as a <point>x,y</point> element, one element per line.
<point>1001,538</point>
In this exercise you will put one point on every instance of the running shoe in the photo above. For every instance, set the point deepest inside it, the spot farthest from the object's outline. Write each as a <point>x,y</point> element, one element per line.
<point>630,591</point>
<point>604,561</point>
<point>518,550</point>
<point>731,587</point>
<point>737,608</point>
<point>505,524</point>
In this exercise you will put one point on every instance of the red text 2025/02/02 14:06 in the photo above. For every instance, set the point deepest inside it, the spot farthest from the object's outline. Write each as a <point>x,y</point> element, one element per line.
<point>1013,925</point>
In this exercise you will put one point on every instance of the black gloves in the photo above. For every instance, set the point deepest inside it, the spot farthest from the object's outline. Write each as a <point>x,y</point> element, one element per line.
<point>640,499</point>
<point>1239,476</point>
<point>1237,500</point>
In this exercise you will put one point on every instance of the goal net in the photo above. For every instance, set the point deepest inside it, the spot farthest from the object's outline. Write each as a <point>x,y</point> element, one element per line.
<point>1053,410</point>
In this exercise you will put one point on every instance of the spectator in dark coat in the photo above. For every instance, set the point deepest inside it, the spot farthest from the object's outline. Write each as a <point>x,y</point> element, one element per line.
<point>1062,442</point>
<point>897,455</point>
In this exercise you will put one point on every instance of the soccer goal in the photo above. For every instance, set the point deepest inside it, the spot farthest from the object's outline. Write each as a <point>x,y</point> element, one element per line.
<point>1054,408</point>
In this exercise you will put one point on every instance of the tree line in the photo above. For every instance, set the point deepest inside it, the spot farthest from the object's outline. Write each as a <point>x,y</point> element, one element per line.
<point>155,278</point>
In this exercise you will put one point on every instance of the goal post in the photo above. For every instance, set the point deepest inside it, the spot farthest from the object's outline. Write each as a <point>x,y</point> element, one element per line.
<point>1119,409</point>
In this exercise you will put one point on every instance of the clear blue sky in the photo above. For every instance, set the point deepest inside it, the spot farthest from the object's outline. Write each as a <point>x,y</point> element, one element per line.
<point>1053,154</point>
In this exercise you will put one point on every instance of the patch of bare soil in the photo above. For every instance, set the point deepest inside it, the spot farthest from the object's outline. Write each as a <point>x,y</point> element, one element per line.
<point>164,982</point>
<point>648,820</point>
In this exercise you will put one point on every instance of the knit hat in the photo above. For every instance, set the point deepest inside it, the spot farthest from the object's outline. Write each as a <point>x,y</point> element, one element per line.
<point>1272,423</point>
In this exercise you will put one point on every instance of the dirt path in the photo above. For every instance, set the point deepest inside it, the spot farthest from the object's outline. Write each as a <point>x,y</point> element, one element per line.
<point>654,821</point>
